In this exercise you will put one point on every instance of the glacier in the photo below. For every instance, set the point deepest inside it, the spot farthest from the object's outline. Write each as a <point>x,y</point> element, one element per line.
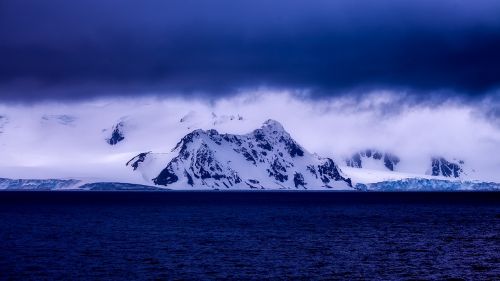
<point>410,184</point>
<point>422,184</point>
<point>38,184</point>
<point>70,184</point>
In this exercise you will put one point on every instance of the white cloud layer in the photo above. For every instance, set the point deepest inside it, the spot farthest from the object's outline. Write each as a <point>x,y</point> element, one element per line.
<point>68,140</point>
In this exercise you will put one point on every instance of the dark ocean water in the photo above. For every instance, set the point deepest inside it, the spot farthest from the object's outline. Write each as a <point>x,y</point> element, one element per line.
<point>279,236</point>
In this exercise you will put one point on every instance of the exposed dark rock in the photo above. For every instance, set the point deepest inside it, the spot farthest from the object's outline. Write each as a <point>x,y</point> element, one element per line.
<point>328,171</point>
<point>265,145</point>
<point>356,160</point>
<point>136,160</point>
<point>278,171</point>
<point>117,134</point>
<point>190,179</point>
<point>247,155</point>
<point>166,177</point>
<point>298,180</point>
<point>292,147</point>
<point>390,161</point>
<point>312,169</point>
<point>202,164</point>
<point>442,167</point>
<point>377,155</point>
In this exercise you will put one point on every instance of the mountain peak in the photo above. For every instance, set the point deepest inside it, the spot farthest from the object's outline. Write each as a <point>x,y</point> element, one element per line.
<point>272,125</point>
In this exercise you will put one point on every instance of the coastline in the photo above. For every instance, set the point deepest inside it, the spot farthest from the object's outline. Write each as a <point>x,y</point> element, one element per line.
<point>249,197</point>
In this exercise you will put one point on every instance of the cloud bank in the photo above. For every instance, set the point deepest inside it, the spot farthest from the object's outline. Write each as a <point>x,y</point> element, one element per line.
<point>60,50</point>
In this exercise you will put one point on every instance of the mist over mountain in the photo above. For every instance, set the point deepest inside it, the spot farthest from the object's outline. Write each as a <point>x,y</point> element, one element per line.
<point>73,140</point>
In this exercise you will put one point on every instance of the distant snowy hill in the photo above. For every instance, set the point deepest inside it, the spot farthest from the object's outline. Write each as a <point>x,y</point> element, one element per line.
<point>267,158</point>
<point>373,159</point>
<point>438,166</point>
<point>442,167</point>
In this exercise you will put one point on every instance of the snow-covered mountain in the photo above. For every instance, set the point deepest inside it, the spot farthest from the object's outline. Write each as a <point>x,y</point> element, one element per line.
<point>267,158</point>
<point>373,159</point>
<point>442,167</point>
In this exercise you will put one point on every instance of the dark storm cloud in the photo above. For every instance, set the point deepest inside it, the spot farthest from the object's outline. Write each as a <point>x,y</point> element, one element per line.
<point>78,49</point>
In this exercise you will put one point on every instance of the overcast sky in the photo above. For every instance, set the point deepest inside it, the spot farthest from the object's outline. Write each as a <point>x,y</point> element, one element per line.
<point>73,50</point>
